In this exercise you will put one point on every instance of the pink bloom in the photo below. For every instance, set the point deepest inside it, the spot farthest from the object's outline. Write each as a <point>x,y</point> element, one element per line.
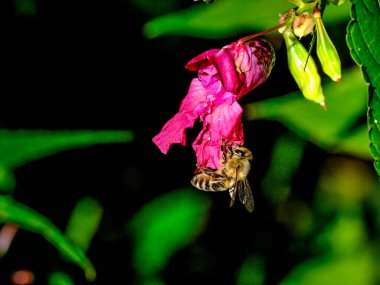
<point>224,76</point>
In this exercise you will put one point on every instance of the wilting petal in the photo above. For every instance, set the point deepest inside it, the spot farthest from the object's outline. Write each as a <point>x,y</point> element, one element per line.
<point>243,59</point>
<point>191,106</point>
<point>210,79</point>
<point>223,123</point>
<point>261,60</point>
<point>201,60</point>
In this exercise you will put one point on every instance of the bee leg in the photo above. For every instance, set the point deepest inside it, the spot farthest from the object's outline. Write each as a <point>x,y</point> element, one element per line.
<point>224,157</point>
<point>223,149</point>
<point>229,149</point>
<point>208,171</point>
<point>226,150</point>
<point>197,168</point>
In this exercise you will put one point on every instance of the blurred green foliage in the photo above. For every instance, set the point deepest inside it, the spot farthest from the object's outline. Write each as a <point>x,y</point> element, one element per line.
<point>346,104</point>
<point>226,18</point>
<point>164,226</point>
<point>25,7</point>
<point>251,272</point>
<point>28,219</point>
<point>84,221</point>
<point>331,235</point>
<point>18,147</point>
<point>60,278</point>
<point>286,156</point>
<point>343,250</point>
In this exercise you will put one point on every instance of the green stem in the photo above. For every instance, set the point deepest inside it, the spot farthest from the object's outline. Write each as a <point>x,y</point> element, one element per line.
<point>250,37</point>
<point>306,6</point>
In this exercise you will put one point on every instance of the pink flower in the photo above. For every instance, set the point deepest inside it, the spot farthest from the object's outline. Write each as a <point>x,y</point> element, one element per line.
<point>224,76</point>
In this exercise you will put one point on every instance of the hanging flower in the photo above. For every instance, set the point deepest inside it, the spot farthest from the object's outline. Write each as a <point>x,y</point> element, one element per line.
<point>224,76</point>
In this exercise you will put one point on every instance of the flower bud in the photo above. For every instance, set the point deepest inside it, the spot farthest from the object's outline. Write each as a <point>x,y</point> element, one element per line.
<point>286,18</point>
<point>303,69</point>
<point>303,25</point>
<point>326,51</point>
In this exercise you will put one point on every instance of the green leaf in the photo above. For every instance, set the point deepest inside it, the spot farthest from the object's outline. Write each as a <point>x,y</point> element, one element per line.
<point>25,7</point>
<point>357,269</point>
<point>154,7</point>
<point>16,213</point>
<point>226,18</point>
<point>165,225</point>
<point>286,157</point>
<point>363,39</point>
<point>355,143</point>
<point>7,179</point>
<point>84,222</point>
<point>330,129</point>
<point>20,146</point>
<point>251,272</point>
<point>60,278</point>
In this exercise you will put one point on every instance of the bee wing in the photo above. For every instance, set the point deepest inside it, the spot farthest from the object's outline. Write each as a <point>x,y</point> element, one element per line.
<point>232,192</point>
<point>245,194</point>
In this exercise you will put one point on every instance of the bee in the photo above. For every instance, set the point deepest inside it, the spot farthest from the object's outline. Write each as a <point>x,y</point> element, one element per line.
<point>232,176</point>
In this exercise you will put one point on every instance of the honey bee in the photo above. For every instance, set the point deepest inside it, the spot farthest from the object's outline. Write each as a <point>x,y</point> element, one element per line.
<point>232,176</point>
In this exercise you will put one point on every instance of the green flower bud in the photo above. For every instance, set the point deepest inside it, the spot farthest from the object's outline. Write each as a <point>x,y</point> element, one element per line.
<point>336,2</point>
<point>326,51</point>
<point>303,25</point>
<point>303,69</point>
<point>296,2</point>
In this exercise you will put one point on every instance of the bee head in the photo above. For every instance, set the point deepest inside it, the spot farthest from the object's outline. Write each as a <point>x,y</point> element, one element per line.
<point>242,152</point>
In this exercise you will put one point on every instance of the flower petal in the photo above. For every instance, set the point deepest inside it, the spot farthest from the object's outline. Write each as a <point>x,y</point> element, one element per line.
<point>224,62</point>
<point>201,60</point>
<point>191,107</point>
<point>261,61</point>
<point>223,123</point>
<point>210,79</point>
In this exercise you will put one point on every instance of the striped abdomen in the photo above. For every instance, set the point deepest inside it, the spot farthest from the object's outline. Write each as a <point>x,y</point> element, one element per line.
<point>207,182</point>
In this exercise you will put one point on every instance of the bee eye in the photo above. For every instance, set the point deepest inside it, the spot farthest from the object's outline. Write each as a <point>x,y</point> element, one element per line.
<point>239,152</point>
